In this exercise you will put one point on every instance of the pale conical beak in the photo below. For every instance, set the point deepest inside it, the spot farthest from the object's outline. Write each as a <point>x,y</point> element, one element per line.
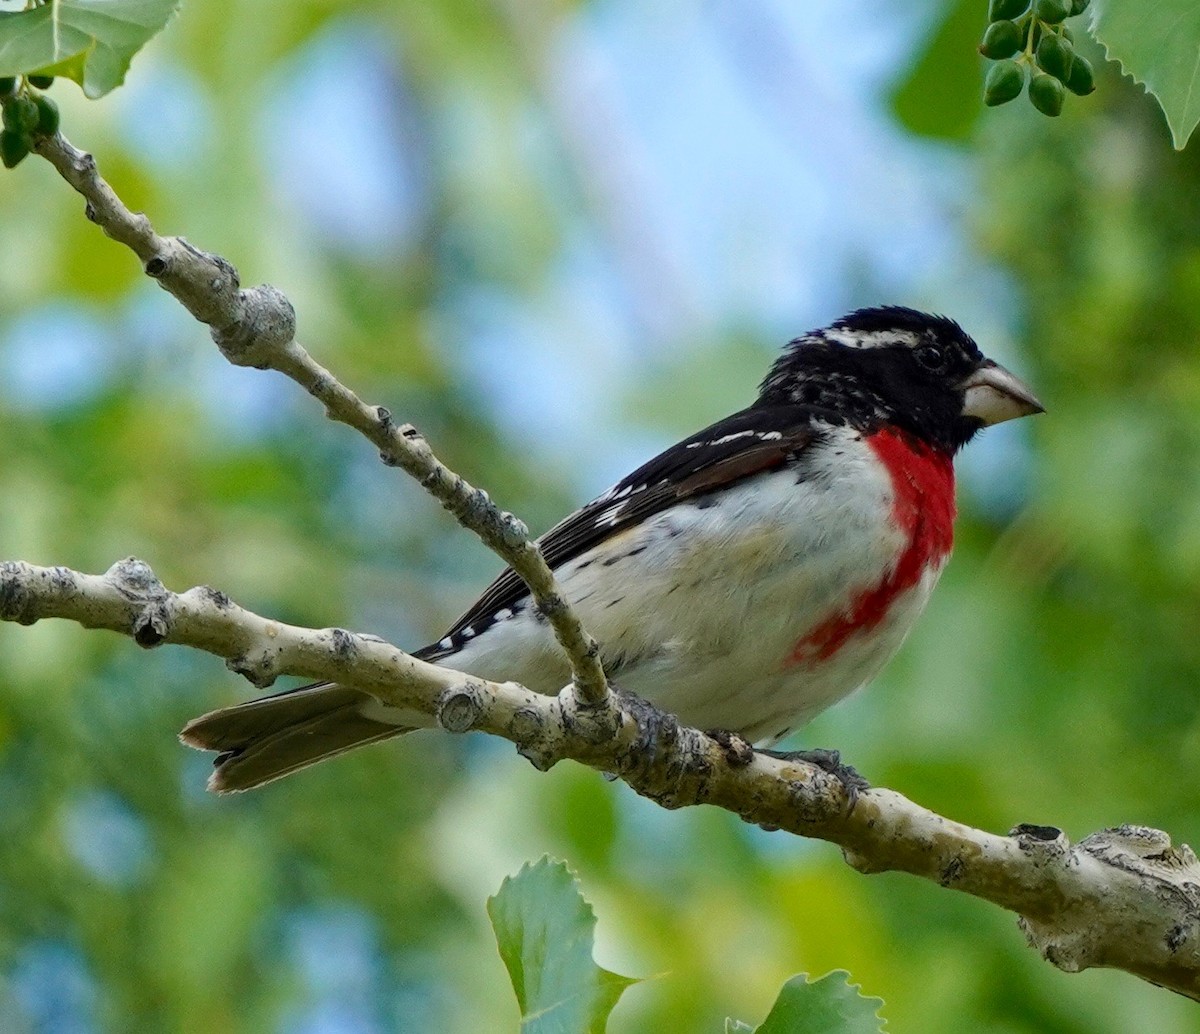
<point>993,395</point>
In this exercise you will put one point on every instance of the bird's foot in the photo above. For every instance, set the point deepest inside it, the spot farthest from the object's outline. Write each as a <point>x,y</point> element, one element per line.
<point>655,728</point>
<point>738,751</point>
<point>827,761</point>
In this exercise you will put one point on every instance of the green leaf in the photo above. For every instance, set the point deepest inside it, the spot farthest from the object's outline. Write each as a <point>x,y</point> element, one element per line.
<point>830,1005</point>
<point>544,929</point>
<point>1158,44</point>
<point>89,41</point>
<point>939,96</point>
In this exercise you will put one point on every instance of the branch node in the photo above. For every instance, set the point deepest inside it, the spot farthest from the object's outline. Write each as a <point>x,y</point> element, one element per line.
<point>16,601</point>
<point>265,327</point>
<point>135,580</point>
<point>345,645</point>
<point>540,757</point>
<point>1073,939</point>
<point>460,708</point>
<point>527,728</point>
<point>227,279</point>
<point>214,596</point>
<point>1122,844</point>
<point>228,269</point>
<point>258,668</point>
<point>526,725</point>
<point>514,530</point>
<point>152,625</point>
<point>156,266</point>
<point>1048,843</point>
<point>593,722</point>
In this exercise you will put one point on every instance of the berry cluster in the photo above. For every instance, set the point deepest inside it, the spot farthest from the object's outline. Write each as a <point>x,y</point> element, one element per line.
<point>27,115</point>
<point>1020,37</point>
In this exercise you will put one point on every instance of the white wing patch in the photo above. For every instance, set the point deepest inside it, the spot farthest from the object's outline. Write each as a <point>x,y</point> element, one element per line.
<point>762,436</point>
<point>727,438</point>
<point>610,516</point>
<point>620,492</point>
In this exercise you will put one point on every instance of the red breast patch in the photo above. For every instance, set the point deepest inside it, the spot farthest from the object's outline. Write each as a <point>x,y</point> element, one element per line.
<point>923,509</point>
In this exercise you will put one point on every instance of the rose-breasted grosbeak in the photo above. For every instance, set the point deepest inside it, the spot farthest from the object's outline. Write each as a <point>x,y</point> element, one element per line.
<point>745,579</point>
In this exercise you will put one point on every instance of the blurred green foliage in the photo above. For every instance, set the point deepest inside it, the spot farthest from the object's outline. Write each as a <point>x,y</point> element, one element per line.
<point>1053,679</point>
<point>938,95</point>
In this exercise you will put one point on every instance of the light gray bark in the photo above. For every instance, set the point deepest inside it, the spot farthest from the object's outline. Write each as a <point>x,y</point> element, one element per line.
<point>1122,898</point>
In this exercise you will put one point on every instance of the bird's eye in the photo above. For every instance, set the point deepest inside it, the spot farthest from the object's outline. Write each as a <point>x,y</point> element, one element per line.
<point>931,358</point>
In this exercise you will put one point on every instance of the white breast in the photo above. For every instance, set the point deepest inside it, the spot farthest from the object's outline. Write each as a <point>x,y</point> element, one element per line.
<point>699,608</point>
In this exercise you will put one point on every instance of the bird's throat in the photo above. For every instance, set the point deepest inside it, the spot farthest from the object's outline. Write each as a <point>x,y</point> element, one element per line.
<point>923,510</point>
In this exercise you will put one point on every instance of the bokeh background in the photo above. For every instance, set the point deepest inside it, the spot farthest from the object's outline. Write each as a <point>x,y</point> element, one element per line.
<point>557,235</point>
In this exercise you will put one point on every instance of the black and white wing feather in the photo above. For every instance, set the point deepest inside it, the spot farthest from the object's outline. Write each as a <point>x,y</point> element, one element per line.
<point>747,443</point>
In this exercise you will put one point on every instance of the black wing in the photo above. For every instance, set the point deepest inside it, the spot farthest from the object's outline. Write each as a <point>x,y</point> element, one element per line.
<point>749,442</point>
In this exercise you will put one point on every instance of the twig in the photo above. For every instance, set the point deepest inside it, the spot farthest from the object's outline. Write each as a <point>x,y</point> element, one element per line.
<point>256,327</point>
<point>1122,898</point>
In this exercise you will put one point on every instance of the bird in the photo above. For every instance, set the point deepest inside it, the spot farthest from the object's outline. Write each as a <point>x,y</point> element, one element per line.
<point>743,580</point>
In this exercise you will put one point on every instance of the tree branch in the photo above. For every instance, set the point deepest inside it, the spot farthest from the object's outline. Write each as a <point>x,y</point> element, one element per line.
<point>1122,898</point>
<point>256,327</point>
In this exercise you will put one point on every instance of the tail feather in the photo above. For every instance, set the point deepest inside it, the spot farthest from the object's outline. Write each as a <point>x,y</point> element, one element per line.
<point>273,736</point>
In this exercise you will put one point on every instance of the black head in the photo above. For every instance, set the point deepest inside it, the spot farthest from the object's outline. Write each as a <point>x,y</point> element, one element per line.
<point>898,366</point>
